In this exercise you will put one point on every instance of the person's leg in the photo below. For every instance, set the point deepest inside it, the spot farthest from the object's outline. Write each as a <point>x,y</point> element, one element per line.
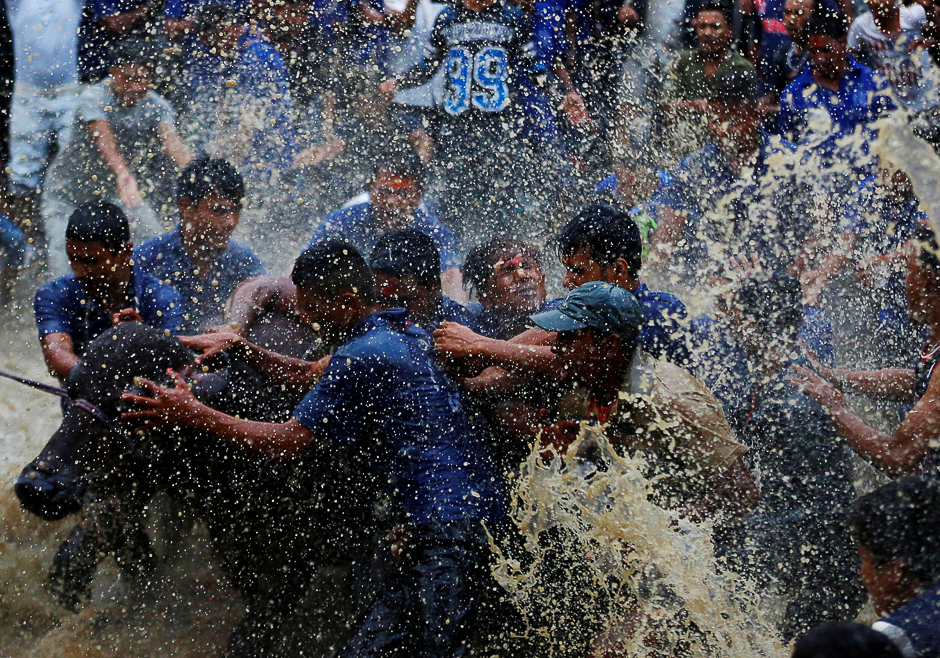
<point>29,142</point>
<point>55,213</point>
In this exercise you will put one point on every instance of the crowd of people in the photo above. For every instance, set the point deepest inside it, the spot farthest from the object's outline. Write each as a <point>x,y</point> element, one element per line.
<point>433,156</point>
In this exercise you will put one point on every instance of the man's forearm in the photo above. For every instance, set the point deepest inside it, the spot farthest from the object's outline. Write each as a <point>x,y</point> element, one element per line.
<point>275,440</point>
<point>104,141</point>
<point>294,374</point>
<point>882,450</point>
<point>536,359</point>
<point>895,384</point>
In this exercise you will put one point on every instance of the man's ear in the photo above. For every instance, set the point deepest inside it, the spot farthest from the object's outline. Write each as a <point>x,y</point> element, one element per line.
<point>611,345</point>
<point>347,300</point>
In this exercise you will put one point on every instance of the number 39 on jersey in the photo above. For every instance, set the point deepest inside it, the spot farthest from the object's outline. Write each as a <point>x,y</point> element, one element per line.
<point>480,79</point>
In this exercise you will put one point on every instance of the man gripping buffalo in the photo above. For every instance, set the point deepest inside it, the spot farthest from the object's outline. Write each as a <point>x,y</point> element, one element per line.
<point>383,395</point>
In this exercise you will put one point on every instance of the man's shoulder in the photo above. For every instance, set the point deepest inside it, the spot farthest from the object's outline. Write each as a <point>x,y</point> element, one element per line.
<point>659,300</point>
<point>160,290</point>
<point>157,244</point>
<point>58,289</point>
<point>454,312</point>
<point>346,217</point>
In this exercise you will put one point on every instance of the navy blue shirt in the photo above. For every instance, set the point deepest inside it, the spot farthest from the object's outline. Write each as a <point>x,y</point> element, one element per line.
<point>915,627</point>
<point>763,212</point>
<point>862,97</point>
<point>450,311</point>
<point>203,297</point>
<point>62,307</point>
<point>664,335</point>
<point>383,394</point>
<point>356,226</point>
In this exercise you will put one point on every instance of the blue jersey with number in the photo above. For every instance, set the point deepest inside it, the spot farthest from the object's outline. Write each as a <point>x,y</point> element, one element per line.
<point>481,53</point>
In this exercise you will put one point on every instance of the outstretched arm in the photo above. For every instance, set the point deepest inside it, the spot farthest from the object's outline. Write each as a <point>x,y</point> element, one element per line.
<point>530,352</point>
<point>59,355</point>
<point>295,374</point>
<point>898,454</point>
<point>255,295</point>
<point>178,406</point>
<point>104,141</point>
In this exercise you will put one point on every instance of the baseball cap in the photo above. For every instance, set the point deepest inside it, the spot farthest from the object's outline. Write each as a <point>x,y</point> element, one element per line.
<point>596,305</point>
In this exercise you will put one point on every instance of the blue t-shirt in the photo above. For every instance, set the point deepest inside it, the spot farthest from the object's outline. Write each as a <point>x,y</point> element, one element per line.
<point>251,87</point>
<point>383,394</point>
<point>14,247</point>
<point>355,226</point>
<point>767,211</point>
<point>665,334</point>
<point>62,307</point>
<point>203,297</point>
<point>863,96</point>
<point>450,311</point>
<point>915,627</point>
<point>180,9</point>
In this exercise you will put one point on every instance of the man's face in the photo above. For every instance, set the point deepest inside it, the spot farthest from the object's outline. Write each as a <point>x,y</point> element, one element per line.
<point>795,15</point>
<point>880,7</point>
<point>713,32</point>
<point>420,300</point>
<point>95,267</point>
<point>882,582</point>
<point>583,358</point>
<point>735,128</point>
<point>326,316</point>
<point>209,224</point>
<point>827,56</point>
<point>516,286</point>
<point>130,83</point>
<point>394,199</point>
<point>581,268</point>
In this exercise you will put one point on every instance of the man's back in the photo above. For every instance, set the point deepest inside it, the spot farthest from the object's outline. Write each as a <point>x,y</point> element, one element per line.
<point>383,394</point>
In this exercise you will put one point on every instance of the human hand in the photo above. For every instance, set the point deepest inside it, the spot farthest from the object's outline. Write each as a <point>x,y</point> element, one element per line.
<point>744,265</point>
<point>127,191</point>
<point>813,385</point>
<point>125,315</point>
<point>574,108</point>
<point>455,341</point>
<point>165,405</point>
<point>388,89</point>
<point>211,345</point>
<point>398,539</point>
<point>314,155</point>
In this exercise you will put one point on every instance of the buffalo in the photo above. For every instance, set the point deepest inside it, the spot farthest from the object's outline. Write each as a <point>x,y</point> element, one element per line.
<point>272,523</point>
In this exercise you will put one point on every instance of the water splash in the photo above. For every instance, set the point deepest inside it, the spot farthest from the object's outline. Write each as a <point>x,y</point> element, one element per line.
<point>606,571</point>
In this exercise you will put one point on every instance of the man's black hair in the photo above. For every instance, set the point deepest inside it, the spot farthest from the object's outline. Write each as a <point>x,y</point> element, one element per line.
<point>928,252</point>
<point>845,639</point>
<point>901,520</point>
<point>399,160</point>
<point>827,22</point>
<point>478,267</point>
<point>334,266</point>
<point>720,6</point>
<point>774,302</point>
<point>408,253</point>
<point>609,234</point>
<point>99,221</point>
<point>205,175</point>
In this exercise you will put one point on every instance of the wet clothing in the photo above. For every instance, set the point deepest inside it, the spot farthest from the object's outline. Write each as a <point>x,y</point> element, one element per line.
<point>14,248</point>
<point>62,307</point>
<point>664,335</point>
<point>687,80</point>
<point>383,393</point>
<point>240,108</point>
<point>915,627</point>
<point>910,74</point>
<point>668,415</point>
<point>762,213</point>
<point>356,226</point>
<point>862,98</point>
<point>450,311</point>
<point>203,296</point>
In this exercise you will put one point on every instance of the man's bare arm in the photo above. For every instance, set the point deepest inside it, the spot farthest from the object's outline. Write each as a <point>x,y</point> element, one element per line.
<point>178,405</point>
<point>173,146</point>
<point>58,352</point>
<point>294,374</point>
<point>531,354</point>
<point>103,139</point>
<point>255,295</point>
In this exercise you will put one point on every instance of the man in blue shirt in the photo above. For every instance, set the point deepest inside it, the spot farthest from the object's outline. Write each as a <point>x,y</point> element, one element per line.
<point>383,394</point>
<point>735,195</point>
<point>199,257</point>
<point>897,533</point>
<point>806,469</point>
<point>394,203</point>
<point>238,98</point>
<point>407,268</point>
<point>835,86</point>
<point>104,289</point>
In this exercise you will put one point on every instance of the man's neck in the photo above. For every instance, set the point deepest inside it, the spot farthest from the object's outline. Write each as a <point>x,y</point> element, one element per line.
<point>833,84</point>
<point>202,259</point>
<point>888,21</point>
<point>113,295</point>
<point>606,387</point>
